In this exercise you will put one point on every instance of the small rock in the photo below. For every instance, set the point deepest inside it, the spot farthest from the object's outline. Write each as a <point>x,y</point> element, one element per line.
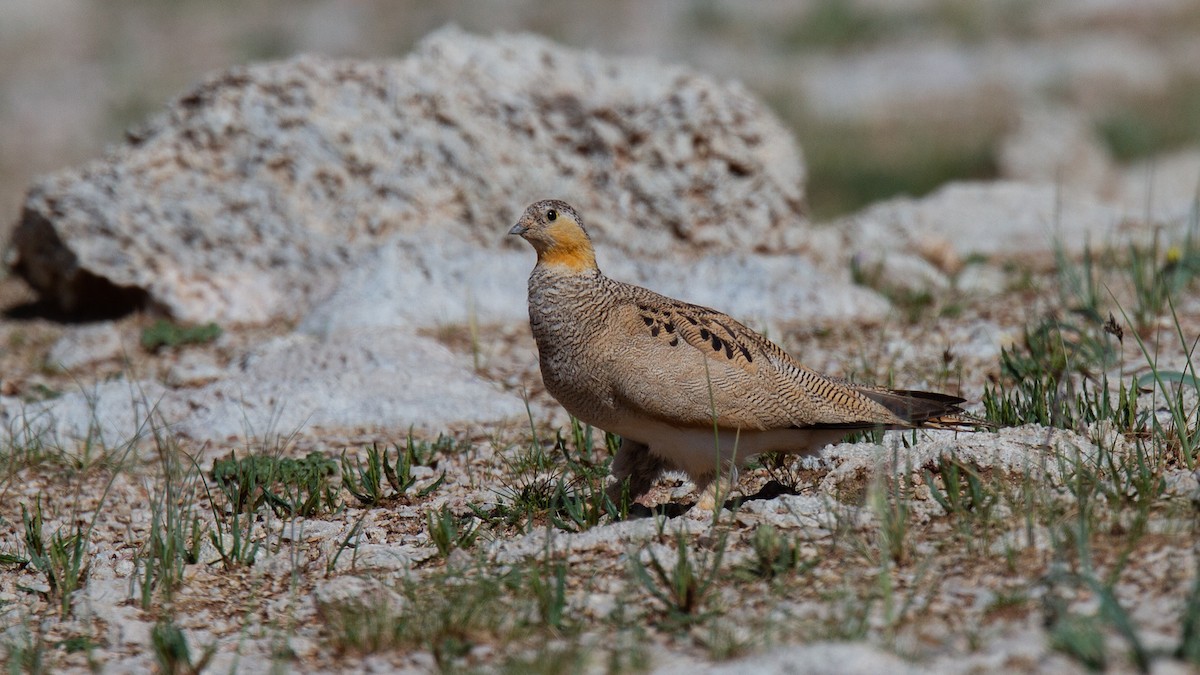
<point>820,657</point>
<point>982,279</point>
<point>194,369</point>
<point>1057,145</point>
<point>1185,484</point>
<point>901,270</point>
<point>84,346</point>
<point>1007,219</point>
<point>311,530</point>
<point>133,632</point>
<point>1166,185</point>
<point>599,605</point>
<point>347,588</point>
<point>386,557</point>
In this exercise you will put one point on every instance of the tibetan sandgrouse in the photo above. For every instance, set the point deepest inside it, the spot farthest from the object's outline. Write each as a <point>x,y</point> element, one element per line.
<point>685,387</point>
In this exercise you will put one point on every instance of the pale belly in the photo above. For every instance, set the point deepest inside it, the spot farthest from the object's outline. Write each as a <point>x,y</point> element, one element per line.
<point>700,452</point>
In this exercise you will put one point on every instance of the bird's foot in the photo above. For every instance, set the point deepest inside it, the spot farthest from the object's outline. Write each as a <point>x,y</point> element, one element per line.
<point>712,498</point>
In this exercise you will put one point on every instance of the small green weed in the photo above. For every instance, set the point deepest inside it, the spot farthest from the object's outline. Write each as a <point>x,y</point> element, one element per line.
<point>547,585</point>
<point>775,555</point>
<point>1182,436</point>
<point>233,537</point>
<point>291,487</point>
<point>1082,636</point>
<point>62,559</point>
<point>1189,641</point>
<point>889,497</point>
<point>25,447</point>
<point>685,587</point>
<point>961,489</point>
<point>366,482</point>
<point>165,333</point>
<point>25,651</point>
<point>449,532</point>
<point>447,616</point>
<point>1048,379</point>
<point>172,653</point>
<point>570,494</point>
<point>176,531</point>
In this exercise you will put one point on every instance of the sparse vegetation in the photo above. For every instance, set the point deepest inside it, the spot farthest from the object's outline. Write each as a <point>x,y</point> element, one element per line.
<point>1142,128</point>
<point>449,532</point>
<point>366,481</point>
<point>564,487</point>
<point>291,487</point>
<point>164,333</point>
<point>177,530</point>
<point>61,558</point>
<point>172,653</point>
<point>685,586</point>
<point>776,555</point>
<point>448,614</point>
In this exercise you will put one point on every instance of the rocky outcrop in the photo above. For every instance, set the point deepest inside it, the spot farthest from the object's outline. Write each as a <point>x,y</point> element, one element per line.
<point>252,193</point>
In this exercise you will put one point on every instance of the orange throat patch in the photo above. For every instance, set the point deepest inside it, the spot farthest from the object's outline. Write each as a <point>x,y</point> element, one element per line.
<point>571,249</point>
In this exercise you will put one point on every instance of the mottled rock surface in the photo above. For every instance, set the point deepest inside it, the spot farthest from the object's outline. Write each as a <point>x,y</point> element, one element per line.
<point>252,193</point>
<point>1007,219</point>
<point>1058,146</point>
<point>85,345</point>
<point>293,384</point>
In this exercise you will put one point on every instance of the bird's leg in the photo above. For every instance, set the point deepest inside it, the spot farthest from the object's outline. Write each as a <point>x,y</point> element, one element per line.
<point>637,465</point>
<point>713,492</point>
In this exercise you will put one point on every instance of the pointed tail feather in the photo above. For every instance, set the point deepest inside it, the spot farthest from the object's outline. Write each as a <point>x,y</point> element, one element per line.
<point>927,409</point>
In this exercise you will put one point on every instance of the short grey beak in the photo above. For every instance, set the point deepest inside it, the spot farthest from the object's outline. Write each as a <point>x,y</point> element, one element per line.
<point>518,229</point>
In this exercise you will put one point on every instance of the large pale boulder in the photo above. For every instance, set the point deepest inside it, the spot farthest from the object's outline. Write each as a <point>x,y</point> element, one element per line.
<point>1002,219</point>
<point>252,193</point>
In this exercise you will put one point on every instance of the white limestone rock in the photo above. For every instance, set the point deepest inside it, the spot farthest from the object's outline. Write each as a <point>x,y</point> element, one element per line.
<point>251,194</point>
<point>297,383</point>
<point>84,345</point>
<point>1005,219</point>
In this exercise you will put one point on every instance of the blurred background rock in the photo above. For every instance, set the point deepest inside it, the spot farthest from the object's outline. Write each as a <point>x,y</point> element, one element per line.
<point>886,97</point>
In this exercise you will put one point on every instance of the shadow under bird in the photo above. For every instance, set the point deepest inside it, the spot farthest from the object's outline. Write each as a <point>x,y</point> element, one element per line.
<point>686,387</point>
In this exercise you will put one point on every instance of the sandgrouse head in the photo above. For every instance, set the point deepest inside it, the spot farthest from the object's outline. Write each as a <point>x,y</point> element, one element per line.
<point>556,232</point>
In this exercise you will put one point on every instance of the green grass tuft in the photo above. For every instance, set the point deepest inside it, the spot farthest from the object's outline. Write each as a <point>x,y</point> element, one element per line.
<point>291,487</point>
<point>165,333</point>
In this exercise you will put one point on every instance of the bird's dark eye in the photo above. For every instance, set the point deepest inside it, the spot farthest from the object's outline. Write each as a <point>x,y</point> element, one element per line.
<point>552,215</point>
